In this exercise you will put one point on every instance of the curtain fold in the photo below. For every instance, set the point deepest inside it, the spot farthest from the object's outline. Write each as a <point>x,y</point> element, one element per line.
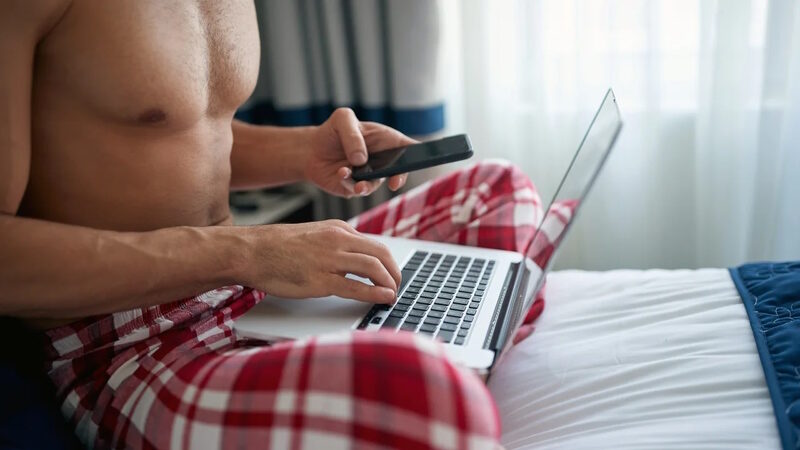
<point>706,170</point>
<point>379,57</point>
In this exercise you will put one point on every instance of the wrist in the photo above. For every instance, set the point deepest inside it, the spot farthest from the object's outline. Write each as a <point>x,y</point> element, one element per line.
<point>305,149</point>
<point>231,250</point>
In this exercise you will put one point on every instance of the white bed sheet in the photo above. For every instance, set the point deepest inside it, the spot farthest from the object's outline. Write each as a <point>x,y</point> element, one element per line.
<point>637,359</point>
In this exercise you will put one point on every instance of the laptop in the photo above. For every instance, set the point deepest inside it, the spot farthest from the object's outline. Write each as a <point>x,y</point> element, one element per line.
<point>471,299</point>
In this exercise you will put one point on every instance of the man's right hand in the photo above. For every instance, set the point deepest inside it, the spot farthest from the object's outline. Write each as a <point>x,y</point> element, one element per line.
<point>311,260</point>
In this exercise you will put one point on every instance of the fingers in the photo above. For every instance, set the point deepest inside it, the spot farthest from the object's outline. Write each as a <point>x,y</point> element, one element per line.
<point>336,223</point>
<point>380,137</point>
<point>348,128</point>
<point>367,267</point>
<point>367,187</point>
<point>356,242</point>
<point>397,181</point>
<point>362,244</point>
<point>356,290</point>
<point>361,188</point>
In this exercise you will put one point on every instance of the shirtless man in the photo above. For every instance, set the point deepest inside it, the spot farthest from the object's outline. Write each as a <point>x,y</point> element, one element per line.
<point>118,149</point>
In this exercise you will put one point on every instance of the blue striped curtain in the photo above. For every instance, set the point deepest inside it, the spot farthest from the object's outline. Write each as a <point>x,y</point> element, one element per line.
<point>379,57</point>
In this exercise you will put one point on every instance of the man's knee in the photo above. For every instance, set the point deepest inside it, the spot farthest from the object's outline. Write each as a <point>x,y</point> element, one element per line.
<point>412,373</point>
<point>500,172</point>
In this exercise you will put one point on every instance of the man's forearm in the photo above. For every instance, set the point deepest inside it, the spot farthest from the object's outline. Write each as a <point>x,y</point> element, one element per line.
<point>57,271</point>
<point>264,156</point>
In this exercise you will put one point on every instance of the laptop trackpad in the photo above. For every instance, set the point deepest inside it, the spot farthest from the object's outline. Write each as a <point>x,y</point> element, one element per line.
<point>278,318</point>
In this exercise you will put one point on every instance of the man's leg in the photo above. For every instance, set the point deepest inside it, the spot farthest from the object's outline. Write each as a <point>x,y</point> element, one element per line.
<point>489,204</point>
<point>195,386</point>
<point>362,390</point>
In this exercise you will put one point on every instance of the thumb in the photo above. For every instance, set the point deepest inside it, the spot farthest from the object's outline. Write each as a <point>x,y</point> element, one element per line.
<point>348,128</point>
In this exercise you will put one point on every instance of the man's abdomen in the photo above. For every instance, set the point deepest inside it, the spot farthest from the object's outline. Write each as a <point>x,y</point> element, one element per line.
<point>125,177</point>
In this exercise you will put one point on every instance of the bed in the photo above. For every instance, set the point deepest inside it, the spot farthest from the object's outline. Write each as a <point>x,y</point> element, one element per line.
<point>644,359</point>
<point>657,359</point>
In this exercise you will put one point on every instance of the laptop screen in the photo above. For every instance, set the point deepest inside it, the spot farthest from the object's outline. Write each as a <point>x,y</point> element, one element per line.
<point>560,214</point>
<point>577,181</point>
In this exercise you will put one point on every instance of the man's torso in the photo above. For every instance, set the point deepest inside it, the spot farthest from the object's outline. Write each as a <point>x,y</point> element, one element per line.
<point>131,112</point>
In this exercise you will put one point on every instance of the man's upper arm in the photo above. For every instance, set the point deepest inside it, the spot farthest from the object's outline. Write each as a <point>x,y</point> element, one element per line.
<point>23,23</point>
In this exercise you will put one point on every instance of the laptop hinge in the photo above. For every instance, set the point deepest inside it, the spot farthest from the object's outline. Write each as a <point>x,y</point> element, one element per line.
<point>495,338</point>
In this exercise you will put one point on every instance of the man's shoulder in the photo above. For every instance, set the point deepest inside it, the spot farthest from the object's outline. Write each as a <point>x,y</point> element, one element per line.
<point>39,16</point>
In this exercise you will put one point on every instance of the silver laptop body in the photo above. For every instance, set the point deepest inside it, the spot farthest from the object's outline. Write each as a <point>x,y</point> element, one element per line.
<point>472,299</point>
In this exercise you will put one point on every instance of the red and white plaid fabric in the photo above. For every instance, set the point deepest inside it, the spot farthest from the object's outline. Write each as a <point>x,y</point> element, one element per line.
<point>176,376</point>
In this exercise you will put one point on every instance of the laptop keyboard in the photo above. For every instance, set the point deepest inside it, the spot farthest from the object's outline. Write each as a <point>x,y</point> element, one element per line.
<point>440,296</point>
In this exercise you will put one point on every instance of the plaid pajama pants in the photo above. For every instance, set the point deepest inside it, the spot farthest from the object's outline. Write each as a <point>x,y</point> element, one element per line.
<point>177,376</point>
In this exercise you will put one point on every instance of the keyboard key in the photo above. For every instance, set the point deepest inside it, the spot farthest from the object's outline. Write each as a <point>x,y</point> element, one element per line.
<point>428,329</point>
<point>413,319</point>
<point>408,326</point>
<point>458,307</point>
<point>462,333</point>
<point>431,322</point>
<point>436,314</point>
<point>445,296</point>
<point>445,336</point>
<point>424,301</point>
<point>472,311</point>
<point>399,307</point>
<point>416,313</point>
<point>437,307</point>
<point>396,313</point>
<point>460,301</point>
<point>459,341</point>
<point>391,322</point>
<point>468,318</point>
<point>454,314</point>
<point>448,327</point>
<point>451,319</point>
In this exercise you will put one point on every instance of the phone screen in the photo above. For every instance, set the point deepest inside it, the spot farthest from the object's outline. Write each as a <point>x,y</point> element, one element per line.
<point>414,157</point>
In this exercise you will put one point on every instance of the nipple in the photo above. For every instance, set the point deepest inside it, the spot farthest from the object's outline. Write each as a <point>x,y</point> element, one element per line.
<point>152,116</point>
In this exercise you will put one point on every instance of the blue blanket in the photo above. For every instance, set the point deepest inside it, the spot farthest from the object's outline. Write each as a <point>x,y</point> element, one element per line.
<point>771,295</point>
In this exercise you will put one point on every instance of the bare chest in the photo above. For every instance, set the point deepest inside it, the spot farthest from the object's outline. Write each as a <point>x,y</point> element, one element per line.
<point>153,60</point>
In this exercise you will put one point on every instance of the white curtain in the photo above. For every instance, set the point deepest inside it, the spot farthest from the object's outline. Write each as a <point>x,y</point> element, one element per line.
<point>707,169</point>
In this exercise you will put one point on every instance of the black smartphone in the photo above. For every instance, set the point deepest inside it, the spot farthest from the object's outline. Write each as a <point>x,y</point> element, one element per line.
<point>414,157</point>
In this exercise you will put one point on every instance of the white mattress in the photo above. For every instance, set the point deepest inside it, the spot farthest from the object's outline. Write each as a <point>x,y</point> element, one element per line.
<point>637,359</point>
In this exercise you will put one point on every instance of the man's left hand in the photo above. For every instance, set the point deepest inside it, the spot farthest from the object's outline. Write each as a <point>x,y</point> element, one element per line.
<point>343,142</point>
